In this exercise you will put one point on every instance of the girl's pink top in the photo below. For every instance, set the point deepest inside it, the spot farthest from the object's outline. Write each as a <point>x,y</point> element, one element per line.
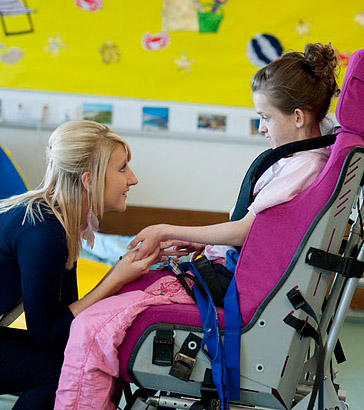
<point>280,183</point>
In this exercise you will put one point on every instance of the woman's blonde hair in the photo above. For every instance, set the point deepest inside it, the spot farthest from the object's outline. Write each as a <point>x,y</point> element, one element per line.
<point>73,148</point>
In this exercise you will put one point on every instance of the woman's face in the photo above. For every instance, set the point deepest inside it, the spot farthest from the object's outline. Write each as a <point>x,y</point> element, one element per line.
<point>277,127</point>
<point>119,178</point>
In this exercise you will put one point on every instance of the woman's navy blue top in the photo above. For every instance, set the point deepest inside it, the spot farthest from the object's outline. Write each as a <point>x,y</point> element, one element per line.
<point>32,268</point>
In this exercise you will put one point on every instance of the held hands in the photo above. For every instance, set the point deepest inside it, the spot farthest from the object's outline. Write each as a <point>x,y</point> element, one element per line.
<point>156,237</point>
<point>129,268</point>
<point>150,239</point>
<point>181,248</point>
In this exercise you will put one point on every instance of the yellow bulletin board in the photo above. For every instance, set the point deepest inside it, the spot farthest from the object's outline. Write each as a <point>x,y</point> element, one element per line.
<point>154,49</point>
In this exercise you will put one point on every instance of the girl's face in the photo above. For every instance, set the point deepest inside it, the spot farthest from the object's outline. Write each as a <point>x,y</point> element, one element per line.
<point>277,127</point>
<point>119,178</point>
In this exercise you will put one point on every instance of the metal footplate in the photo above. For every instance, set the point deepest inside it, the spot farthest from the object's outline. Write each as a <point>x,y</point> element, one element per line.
<point>186,403</point>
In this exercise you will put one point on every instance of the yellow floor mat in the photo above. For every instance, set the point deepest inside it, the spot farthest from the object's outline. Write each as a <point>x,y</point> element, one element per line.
<point>89,274</point>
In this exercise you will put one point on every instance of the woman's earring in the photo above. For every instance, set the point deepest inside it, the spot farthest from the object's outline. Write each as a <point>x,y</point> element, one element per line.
<point>92,225</point>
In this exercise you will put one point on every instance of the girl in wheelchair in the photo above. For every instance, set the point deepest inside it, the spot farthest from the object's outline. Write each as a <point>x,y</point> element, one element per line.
<point>292,96</point>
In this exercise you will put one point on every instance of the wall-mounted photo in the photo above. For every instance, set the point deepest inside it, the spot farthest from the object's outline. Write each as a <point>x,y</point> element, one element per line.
<point>254,126</point>
<point>212,122</point>
<point>155,118</point>
<point>101,113</point>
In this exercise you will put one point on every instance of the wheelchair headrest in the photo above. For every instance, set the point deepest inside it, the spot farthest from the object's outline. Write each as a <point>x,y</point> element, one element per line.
<point>349,109</point>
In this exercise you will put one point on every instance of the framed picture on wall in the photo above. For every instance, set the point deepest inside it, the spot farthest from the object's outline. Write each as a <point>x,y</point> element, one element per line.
<point>211,122</point>
<point>101,113</point>
<point>254,126</point>
<point>155,118</point>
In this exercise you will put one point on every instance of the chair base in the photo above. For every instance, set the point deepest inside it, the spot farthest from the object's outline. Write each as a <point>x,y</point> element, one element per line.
<point>141,401</point>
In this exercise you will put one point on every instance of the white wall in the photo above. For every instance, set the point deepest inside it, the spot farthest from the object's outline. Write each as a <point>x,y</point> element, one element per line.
<point>183,168</point>
<point>173,172</point>
<point>186,174</point>
<point>27,147</point>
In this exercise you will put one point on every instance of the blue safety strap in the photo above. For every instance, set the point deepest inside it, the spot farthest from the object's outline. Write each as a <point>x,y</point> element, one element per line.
<point>212,339</point>
<point>232,336</point>
<point>225,360</point>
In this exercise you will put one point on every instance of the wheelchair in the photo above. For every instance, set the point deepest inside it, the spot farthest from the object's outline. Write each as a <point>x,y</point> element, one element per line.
<point>295,278</point>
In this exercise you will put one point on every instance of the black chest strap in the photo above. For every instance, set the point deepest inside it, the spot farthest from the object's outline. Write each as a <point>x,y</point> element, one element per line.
<point>264,161</point>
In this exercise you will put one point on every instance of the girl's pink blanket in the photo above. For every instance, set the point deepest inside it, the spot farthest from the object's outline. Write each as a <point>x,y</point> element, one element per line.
<point>91,357</point>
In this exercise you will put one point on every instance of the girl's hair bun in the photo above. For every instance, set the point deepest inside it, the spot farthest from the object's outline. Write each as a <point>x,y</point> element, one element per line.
<point>322,62</point>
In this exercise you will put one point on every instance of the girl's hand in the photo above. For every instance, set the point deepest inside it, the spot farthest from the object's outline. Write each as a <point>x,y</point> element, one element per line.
<point>177,249</point>
<point>182,248</point>
<point>150,239</point>
<point>199,250</point>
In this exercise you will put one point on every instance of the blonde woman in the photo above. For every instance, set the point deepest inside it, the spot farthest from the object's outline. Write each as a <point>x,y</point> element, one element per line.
<point>88,173</point>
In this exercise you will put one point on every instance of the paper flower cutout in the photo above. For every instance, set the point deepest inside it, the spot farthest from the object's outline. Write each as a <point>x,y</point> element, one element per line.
<point>12,55</point>
<point>184,63</point>
<point>152,42</point>
<point>109,52</point>
<point>54,45</point>
<point>89,5</point>
<point>303,29</point>
<point>343,58</point>
<point>359,18</point>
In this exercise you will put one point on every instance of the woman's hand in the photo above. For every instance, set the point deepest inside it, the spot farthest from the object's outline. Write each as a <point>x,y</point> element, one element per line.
<point>123,272</point>
<point>130,268</point>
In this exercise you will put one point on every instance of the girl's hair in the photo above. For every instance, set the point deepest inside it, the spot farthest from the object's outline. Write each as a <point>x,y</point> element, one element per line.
<point>301,80</point>
<point>73,148</point>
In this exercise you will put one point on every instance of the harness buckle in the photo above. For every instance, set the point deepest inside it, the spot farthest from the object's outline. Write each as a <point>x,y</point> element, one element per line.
<point>162,352</point>
<point>295,297</point>
<point>182,366</point>
<point>304,329</point>
<point>163,345</point>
